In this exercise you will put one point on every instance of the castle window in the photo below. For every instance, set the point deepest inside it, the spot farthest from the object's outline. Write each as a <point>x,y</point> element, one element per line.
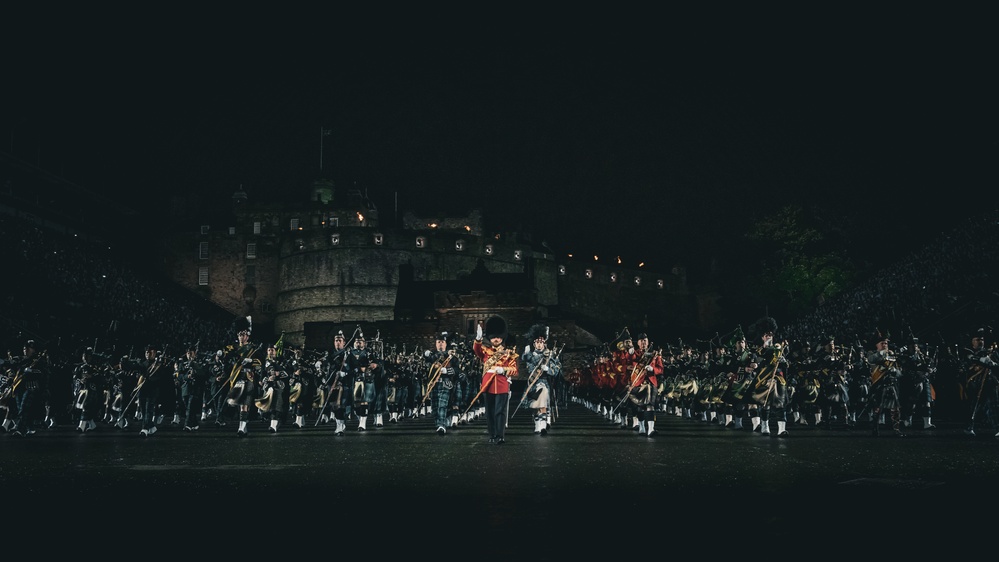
<point>203,276</point>
<point>379,239</point>
<point>232,231</point>
<point>300,244</point>
<point>204,229</point>
<point>638,281</point>
<point>294,224</point>
<point>518,255</point>
<point>256,227</point>
<point>335,239</point>
<point>660,283</point>
<point>251,275</point>
<point>251,251</point>
<point>588,273</point>
<point>489,249</point>
<point>459,245</point>
<point>203,251</point>
<point>561,270</point>
<point>613,278</point>
<point>421,242</point>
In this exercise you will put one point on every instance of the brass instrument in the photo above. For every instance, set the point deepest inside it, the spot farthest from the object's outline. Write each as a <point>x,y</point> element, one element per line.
<point>534,376</point>
<point>435,373</point>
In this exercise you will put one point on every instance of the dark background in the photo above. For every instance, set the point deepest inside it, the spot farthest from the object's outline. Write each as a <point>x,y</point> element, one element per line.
<point>655,136</point>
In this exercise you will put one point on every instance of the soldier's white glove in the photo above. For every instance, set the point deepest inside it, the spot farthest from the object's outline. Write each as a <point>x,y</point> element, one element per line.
<point>341,374</point>
<point>527,349</point>
<point>544,368</point>
<point>631,351</point>
<point>426,353</point>
<point>247,361</point>
<point>478,332</point>
<point>649,368</point>
<point>500,370</point>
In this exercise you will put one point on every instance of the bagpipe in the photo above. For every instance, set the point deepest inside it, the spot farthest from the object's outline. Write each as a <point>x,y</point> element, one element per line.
<point>766,380</point>
<point>535,376</point>
<point>241,379</point>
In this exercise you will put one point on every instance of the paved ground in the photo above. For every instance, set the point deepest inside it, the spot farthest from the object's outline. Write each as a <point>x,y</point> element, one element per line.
<point>588,487</point>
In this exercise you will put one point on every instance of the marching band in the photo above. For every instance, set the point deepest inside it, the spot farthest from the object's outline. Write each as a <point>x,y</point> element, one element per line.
<point>766,384</point>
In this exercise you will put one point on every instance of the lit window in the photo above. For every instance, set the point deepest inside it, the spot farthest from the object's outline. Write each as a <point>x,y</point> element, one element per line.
<point>294,224</point>
<point>232,230</point>
<point>459,245</point>
<point>251,251</point>
<point>379,239</point>
<point>561,270</point>
<point>660,283</point>
<point>613,277</point>
<point>518,255</point>
<point>335,239</point>
<point>638,281</point>
<point>489,249</point>
<point>256,227</point>
<point>421,242</point>
<point>202,276</point>
<point>589,274</point>
<point>203,251</point>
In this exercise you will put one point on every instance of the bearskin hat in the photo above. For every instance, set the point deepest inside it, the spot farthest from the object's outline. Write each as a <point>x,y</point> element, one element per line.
<point>243,324</point>
<point>536,331</point>
<point>495,328</point>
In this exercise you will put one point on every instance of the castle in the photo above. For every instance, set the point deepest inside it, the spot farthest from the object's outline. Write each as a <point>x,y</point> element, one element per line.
<point>331,263</point>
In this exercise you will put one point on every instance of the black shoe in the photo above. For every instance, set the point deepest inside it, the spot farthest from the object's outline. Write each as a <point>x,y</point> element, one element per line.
<point>500,441</point>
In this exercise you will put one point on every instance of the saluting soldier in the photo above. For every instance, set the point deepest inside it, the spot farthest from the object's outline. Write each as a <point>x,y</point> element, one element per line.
<point>499,365</point>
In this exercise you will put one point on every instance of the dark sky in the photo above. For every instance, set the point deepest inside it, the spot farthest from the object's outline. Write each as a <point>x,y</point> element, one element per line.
<point>632,129</point>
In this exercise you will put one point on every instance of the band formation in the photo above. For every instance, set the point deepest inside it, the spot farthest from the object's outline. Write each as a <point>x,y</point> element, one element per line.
<point>749,382</point>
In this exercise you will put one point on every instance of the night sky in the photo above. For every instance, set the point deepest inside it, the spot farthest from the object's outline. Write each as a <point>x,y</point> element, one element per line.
<point>639,134</point>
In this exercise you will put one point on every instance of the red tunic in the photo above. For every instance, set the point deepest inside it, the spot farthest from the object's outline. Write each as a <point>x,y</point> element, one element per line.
<point>491,382</point>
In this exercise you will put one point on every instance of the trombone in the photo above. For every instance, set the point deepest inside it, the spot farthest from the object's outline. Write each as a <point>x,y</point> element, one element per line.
<point>535,376</point>
<point>434,377</point>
